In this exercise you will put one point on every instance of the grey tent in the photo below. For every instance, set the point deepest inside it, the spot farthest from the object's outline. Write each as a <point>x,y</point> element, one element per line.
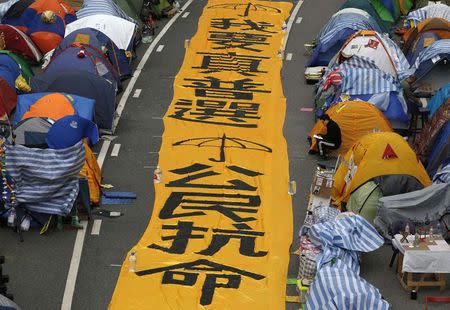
<point>364,200</point>
<point>429,204</point>
<point>7,304</point>
<point>32,131</point>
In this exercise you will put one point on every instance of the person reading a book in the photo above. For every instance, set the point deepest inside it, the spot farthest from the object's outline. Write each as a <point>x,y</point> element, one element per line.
<point>332,139</point>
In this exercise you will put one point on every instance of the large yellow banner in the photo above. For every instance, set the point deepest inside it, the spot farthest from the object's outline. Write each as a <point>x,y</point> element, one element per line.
<point>221,227</point>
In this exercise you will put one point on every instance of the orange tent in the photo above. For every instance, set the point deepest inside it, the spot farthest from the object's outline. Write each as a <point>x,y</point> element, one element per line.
<point>439,26</point>
<point>376,154</point>
<point>54,106</point>
<point>59,7</point>
<point>355,119</point>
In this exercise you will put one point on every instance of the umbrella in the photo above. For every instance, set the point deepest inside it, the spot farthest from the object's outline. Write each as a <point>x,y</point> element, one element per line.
<point>247,7</point>
<point>223,143</point>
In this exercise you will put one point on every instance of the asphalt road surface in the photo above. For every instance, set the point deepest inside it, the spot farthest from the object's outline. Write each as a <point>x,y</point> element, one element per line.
<point>39,267</point>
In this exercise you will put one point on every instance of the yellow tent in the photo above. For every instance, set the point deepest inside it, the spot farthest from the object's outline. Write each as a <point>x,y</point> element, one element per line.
<point>376,154</point>
<point>355,119</point>
<point>91,171</point>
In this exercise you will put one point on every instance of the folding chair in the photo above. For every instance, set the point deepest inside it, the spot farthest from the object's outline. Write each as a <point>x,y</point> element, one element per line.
<point>436,299</point>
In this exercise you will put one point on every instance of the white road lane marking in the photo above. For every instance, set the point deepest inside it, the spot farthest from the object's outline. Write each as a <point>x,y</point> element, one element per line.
<point>149,167</point>
<point>137,72</point>
<point>291,21</point>
<point>103,151</point>
<point>115,265</point>
<point>137,93</point>
<point>185,15</point>
<point>115,150</point>
<point>73,269</point>
<point>96,227</point>
<point>79,241</point>
<point>160,48</point>
<point>299,20</point>
<point>157,117</point>
<point>289,56</point>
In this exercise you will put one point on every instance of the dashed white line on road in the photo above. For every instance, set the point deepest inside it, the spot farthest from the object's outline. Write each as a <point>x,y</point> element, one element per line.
<point>96,227</point>
<point>157,117</point>
<point>185,15</point>
<point>299,20</point>
<point>160,48</point>
<point>115,150</point>
<point>137,93</point>
<point>289,56</point>
<point>73,269</point>
<point>115,265</point>
<point>157,137</point>
<point>149,167</point>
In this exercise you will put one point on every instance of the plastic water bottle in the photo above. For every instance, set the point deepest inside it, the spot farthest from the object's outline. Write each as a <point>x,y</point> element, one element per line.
<point>132,262</point>
<point>292,188</point>
<point>11,217</point>
<point>431,233</point>
<point>157,176</point>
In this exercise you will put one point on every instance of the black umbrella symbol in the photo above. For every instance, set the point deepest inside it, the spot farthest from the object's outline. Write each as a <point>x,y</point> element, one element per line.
<point>248,7</point>
<point>223,143</point>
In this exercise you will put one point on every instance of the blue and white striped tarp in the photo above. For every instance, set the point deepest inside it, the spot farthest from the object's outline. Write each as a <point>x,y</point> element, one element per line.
<point>351,20</point>
<point>45,179</point>
<point>104,7</point>
<point>363,81</point>
<point>337,284</point>
<point>443,176</point>
<point>438,10</point>
<point>433,51</point>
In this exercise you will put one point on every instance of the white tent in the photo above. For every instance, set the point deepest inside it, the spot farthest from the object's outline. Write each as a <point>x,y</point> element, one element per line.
<point>119,30</point>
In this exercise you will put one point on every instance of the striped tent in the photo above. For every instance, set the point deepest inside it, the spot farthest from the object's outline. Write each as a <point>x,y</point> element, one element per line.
<point>440,47</point>
<point>334,34</point>
<point>45,179</point>
<point>347,18</point>
<point>337,284</point>
<point>437,10</point>
<point>104,7</point>
<point>443,176</point>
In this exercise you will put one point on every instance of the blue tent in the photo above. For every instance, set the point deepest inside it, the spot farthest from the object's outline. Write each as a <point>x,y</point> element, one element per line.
<point>9,70</point>
<point>420,44</point>
<point>101,42</point>
<point>338,29</point>
<point>82,84</point>
<point>432,64</point>
<point>84,107</point>
<point>440,151</point>
<point>83,58</point>
<point>441,96</point>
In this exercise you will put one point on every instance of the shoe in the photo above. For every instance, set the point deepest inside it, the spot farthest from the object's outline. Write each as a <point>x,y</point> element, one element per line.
<point>76,223</point>
<point>312,152</point>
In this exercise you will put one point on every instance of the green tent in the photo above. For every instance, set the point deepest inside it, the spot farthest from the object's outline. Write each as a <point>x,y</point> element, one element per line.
<point>391,10</point>
<point>364,200</point>
<point>159,9</point>
<point>27,73</point>
<point>367,6</point>
<point>132,8</point>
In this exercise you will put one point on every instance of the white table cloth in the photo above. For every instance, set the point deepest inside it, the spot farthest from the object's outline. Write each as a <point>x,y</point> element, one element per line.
<point>434,260</point>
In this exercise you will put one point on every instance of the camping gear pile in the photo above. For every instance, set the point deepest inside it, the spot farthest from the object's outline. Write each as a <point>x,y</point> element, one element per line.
<point>388,89</point>
<point>86,51</point>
